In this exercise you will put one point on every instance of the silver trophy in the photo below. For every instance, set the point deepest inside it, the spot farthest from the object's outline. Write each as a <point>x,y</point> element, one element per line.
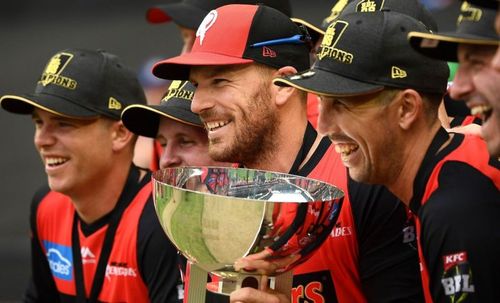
<point>217,215</point>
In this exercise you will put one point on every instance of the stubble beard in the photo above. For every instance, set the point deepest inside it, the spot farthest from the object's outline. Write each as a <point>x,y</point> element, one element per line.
<point>254,140</point>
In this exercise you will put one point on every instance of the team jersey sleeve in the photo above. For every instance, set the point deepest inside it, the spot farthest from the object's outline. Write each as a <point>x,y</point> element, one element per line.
<point>158,259</point>
<point>460,230</point>
<point>388,257</point>
<point>41,287</point>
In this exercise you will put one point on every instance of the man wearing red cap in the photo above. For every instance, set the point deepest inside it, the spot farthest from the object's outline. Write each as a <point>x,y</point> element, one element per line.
<point>238,50</point>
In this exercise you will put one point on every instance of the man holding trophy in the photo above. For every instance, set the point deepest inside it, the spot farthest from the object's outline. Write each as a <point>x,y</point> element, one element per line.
<point>369,254</point>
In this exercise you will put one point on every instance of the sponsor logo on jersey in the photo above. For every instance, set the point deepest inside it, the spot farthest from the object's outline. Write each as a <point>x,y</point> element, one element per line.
<point>457,276</point>
<point>53,70</point>
<point>315,287</point>
<point>120,269</point>
<point>60,260</point>
<point>87,256</point>
<point>341,231</point>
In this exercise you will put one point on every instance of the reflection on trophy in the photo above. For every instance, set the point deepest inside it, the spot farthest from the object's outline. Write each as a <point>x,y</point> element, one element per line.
<point>217,215</point>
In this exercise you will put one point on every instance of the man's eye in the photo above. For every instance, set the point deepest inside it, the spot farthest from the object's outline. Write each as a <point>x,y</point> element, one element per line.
<point>219,81</point>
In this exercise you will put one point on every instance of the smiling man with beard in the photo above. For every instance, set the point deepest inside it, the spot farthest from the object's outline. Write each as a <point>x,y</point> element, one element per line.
<point>238,51</point>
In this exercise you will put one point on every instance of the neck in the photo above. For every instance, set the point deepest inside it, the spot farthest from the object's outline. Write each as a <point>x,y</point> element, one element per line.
<point>416,148</point>
<point>99,199</point>
<point>287,142</point>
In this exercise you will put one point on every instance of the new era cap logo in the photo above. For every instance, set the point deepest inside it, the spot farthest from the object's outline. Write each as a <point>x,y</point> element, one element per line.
<point>397,72</point>
<point>267,52</point>
<point>52,72</point>
<point>332,36</point>
<point>469,13</point>
<point>207,23</point>
<point>114,104</point>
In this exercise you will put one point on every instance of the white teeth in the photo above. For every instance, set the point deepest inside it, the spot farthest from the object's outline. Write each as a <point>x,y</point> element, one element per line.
<point>55,161</point>
<point>345,149</point>
<point>216,124</point>
<point>481,111</point>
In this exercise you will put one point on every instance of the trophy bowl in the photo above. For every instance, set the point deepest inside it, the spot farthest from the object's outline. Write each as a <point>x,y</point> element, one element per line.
<point>217,215</point>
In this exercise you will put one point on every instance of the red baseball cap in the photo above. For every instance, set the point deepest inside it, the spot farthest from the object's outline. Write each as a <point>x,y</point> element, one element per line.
<point>242,34</point>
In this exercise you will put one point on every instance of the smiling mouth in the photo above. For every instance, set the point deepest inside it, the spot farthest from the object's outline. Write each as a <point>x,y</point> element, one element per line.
<point>212,126</point>
<point>53,162</point>
<point>482,111</point>
<point>346,149</point>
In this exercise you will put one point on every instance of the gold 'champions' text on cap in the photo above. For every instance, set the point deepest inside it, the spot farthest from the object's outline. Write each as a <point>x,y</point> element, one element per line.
<point>330,40</point>
<point>335,12</point>
<point>469,13</point>
<point>176,90</point>
<point>369,6</point>
<point>114,104</point>
<point>52,72</point>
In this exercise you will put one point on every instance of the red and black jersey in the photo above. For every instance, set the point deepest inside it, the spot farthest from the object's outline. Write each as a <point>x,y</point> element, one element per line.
<point>371,253</point>
<point>142,265</point>
<point>457,202</point>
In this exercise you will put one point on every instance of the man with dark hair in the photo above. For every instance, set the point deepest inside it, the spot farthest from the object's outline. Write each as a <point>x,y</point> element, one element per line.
<point>95,234</point>
<point>473,45</point>
<point>379,108</point>
<point>238,51</point>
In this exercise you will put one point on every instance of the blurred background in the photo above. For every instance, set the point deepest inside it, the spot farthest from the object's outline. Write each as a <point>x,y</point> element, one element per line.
<point>30,33</point>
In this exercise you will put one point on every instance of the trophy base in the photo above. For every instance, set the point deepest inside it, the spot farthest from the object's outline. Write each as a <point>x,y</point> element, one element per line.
<point>198,292</point>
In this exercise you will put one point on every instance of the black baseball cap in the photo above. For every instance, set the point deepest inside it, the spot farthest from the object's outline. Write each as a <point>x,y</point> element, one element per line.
<point>190,13</point>
<point>364,53</point>
<point>475,25</point>
<point>176,105</point>
<point>242,34</point>
<point>486,3</point>
<point>81,84</point>
<point>412,8</point>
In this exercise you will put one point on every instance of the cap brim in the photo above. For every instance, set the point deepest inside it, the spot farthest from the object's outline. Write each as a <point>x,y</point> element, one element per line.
<point>144,120</point>
<point>25,105</point>
<point>325,83</point>
<point>444,46</point>
<point>177,68</point>
<point>315,32</point>
<point>181,13</point>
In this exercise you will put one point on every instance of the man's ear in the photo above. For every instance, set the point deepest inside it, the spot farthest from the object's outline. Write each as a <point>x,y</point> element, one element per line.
<point>120,136</point>
<point>411,106</point>
<point>283,93</point>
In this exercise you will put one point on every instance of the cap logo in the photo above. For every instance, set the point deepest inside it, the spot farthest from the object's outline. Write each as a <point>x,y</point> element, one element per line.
<point>52,72</point>
<point>332,36</point>
<point>397,72</point>
<point>114,104</point>
<point>469,13</point>
<point>335,12</point>
<point>369,6</point>
<point>207,23</point>
<point>267,52</point>
<point>176,90</point>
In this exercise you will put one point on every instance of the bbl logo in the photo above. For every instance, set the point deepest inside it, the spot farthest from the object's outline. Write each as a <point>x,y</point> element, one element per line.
<point>328,46</point>
<point>457,276</point>
<point>52,72</point>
